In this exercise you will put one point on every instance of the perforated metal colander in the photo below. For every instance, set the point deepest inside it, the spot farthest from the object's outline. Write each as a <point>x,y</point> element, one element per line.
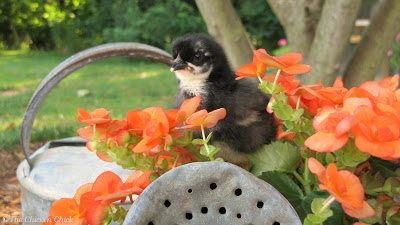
<point>211,193</point>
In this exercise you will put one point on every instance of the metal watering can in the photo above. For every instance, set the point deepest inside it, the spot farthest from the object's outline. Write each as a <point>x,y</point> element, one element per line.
<point>196,193</point>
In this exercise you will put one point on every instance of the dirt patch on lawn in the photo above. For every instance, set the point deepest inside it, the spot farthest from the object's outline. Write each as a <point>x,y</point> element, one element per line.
<point>10,203</point>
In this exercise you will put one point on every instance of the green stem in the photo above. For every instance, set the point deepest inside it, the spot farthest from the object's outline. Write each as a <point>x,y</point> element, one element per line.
<point>302,181</point>
<point>378,189</point>
<point>299,178</point>
<point>205,143</point>
<point>306,177</point>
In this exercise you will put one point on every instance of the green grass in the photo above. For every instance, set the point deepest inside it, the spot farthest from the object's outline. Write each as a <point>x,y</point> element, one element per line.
<point>116,84</point>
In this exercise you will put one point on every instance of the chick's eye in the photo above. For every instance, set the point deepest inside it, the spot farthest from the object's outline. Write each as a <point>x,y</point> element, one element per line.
<point>198,56</point>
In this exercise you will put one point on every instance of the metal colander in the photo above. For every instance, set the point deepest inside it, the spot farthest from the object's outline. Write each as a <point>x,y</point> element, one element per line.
<point>211,193</point>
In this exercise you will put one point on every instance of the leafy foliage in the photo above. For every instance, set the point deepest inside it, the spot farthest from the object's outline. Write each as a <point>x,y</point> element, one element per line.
<point>72,25</point>
<point>278,156</point>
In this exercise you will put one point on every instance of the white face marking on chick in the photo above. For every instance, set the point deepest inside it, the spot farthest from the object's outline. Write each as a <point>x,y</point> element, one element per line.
<point>193,78</point>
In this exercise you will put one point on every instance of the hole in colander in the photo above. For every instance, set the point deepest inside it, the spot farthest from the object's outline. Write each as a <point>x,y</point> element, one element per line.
<point>167,203</point>
<point>189,216</point>
<point>213,186</point>
<point>239,215</point>
<point>276,223</point>
<point>260,204</point>
<point>150,223</point>
<point>190,190</point>
<point>238,192</point>
<point>222,210</point>
<point>204,210</point>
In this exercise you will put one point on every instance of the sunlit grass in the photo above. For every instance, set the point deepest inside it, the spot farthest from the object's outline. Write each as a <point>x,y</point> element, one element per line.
<point>116,84</point>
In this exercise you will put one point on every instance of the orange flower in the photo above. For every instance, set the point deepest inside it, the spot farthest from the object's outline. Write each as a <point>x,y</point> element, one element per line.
<point>65,208</point>
<point>98,116</point>
<point>104,131</point>
<point>155,131</point>
<point>90,202</point>
<point>256,69</point>
<point>377,134</point>
<point>384,90</point>
<point>344,186</point>
<point>287,83</point>
<point>187,108</point>
<point>332,128</point>
<point>332,95</point>
<point>137,121</point>
<point>287,63</point>
<point>205,119</point>
<point>309,98</point>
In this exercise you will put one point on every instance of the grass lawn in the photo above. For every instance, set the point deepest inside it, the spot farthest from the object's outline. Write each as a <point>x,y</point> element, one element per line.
<point>116,84</point>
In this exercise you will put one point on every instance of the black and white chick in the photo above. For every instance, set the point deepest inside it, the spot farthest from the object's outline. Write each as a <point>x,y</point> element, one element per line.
<point>202,68</point>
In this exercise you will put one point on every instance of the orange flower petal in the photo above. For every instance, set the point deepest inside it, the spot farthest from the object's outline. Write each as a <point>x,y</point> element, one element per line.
<point>296,69</point>
<point>348,189</point>
<point>267,59</point>
<point>107,183</point>
<point>98,116</point>
<point>213,117</point>
<point>351,104</point>
<point>82,190</point>
<point>290,58</point>
<point>65,207</point>
<point>378,149</point>
<point>361,213</point>
<point>248,70</point>
<point>137,120</point>
<point>326,142</point>
<point>86,133</point>
<point>315,166</point>
<point>197,118</point>
<point>188,107</point>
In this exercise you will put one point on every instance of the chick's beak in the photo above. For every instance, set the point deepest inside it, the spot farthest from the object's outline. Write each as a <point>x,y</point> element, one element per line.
<point>178,66</point>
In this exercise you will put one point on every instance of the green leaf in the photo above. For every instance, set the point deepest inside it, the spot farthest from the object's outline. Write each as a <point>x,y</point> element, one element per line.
<point>384,167</point>
<point>210,151</point>
<point>305,208</point>
<point>281,108</point>
<point>392,186</point>
<point>198,141</point>
<point>393,216</point>
<point>296,116</point>
<point>277,156</point>
<point>350,155</point>
<point>286,186</point>
<point>307,221</point>
<point>185,140</point>
<point>316,206</point>
<point>209,137</point>
<point>316,218</point>
<point>268,88</point>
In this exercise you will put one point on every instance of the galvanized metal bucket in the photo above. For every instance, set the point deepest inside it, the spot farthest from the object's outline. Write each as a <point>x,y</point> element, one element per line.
<point>216,193</point>
<point>58,168</point>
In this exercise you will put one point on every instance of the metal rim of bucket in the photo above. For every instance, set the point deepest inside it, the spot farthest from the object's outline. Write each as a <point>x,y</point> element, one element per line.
<point>73,63</point>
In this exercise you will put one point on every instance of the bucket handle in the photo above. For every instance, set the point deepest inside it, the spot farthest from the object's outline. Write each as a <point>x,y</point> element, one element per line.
<point>75,62</point>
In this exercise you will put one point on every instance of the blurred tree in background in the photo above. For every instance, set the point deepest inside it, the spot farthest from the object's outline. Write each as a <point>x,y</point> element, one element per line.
<point>72,25</point>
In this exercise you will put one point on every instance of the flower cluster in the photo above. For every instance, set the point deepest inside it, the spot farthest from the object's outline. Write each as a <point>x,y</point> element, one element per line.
<point>352,129</point>
<point>93,202</point>
<point>154,138</point>
<point>151,140</point>
<point>337,151</point>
